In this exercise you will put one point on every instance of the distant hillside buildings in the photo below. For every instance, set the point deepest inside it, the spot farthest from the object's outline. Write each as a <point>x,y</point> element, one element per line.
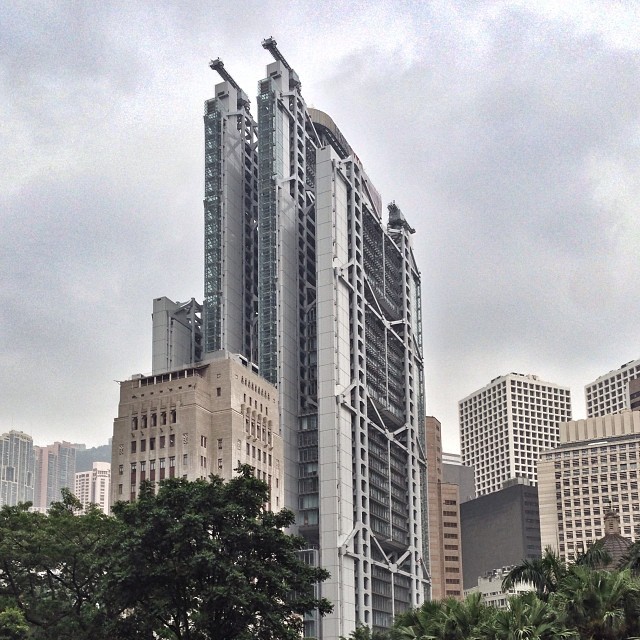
<point>94,487</point>
<point>17,468</point>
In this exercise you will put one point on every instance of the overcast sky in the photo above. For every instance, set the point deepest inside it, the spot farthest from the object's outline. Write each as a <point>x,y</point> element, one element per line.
<point>508,133</point>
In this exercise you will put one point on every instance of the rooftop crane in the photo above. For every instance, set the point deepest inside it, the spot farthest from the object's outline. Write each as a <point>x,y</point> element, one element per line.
<point>218,65</point>
<point>272,46</point>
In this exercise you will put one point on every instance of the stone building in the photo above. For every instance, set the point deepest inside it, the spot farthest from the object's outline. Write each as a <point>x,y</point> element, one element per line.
<point>195,421</point>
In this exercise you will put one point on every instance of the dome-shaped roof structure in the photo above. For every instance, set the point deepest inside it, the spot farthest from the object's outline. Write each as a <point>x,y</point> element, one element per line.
<point>615,544</point>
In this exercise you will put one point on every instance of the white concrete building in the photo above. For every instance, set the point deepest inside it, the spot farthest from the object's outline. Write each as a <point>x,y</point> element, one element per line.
<point>177,334</point>
<point>94,487</point>
<point>505,425</point>
<point>610,392</point>
<point>594,469</point>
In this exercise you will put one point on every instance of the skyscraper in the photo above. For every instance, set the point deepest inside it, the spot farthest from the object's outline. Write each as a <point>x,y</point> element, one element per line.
<point>445,539</point>
<point>55,470</point>
<point>303,277</point>
<point>610,392</point>
<point>505,425</point>
<point>17,468</point>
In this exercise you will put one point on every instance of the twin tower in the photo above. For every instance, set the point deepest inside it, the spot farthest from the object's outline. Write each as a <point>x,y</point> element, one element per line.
<point>303,278</point>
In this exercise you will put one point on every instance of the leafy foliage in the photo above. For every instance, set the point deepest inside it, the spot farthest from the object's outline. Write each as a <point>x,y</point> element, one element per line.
<point>580,601</point>
<point>194,561</point>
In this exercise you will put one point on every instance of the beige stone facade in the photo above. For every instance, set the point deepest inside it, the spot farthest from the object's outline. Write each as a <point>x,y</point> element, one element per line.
<point>445,549</point>
<point>592,471</point>
<point>195,421</point>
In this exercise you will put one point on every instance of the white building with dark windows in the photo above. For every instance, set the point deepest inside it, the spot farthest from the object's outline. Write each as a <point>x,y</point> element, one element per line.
<point>610,392</point>
<point>94,487</point>
<point>506,424</point>
<point>309,277</point>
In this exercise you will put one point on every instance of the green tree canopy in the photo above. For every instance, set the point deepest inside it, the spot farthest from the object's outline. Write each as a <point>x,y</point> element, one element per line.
<point>203,560</point>
<point>193,561</point>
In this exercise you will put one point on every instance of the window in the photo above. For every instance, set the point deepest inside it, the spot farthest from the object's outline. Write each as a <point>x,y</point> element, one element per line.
<point>152,444</point>
<point>133,446</point>
<point>121,469</point>
<point>119,489</point>
<point>172,439</point>
<point>218,391</point>
<point>219,463</point>
<point>185,460</point>
<point>219,443</point>
<point>162,441</point>
<point>143,445</point>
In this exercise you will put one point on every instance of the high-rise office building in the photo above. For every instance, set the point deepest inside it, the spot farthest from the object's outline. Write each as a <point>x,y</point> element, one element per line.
<point>505,425</point>
<point>445,539</point>
<point>593,470</point>
<point>55,470</point>
<point>17,468</point>
<point>499,529</point>
<point>94,487</point>
<point>303,276</point>
<point>610,392</point>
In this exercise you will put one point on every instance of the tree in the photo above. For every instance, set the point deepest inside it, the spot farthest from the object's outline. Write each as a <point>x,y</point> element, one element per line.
<point>600,605</point>
<point>13,626</point>
<point>51,567</point>
<point>448,619</point>
<point>545,574</point>
<point>203,560</point>
<point>526,618</point>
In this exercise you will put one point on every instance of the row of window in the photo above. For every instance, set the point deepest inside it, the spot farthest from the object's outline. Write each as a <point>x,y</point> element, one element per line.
<point>152,420</point>
<point>162,441</point>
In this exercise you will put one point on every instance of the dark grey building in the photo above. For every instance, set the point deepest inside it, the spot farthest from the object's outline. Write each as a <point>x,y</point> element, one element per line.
<point>499,529</point>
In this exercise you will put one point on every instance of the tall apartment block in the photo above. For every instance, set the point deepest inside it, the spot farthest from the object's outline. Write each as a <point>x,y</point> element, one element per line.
<point>55,470</point>
<point>506,424</point>
<point>610,392</point>
<point>303,277</point>
<point>445,538</point>
<point>94,487</point>
<point>17,468</point>
<point>195,421</point>
<point>593,470</point>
